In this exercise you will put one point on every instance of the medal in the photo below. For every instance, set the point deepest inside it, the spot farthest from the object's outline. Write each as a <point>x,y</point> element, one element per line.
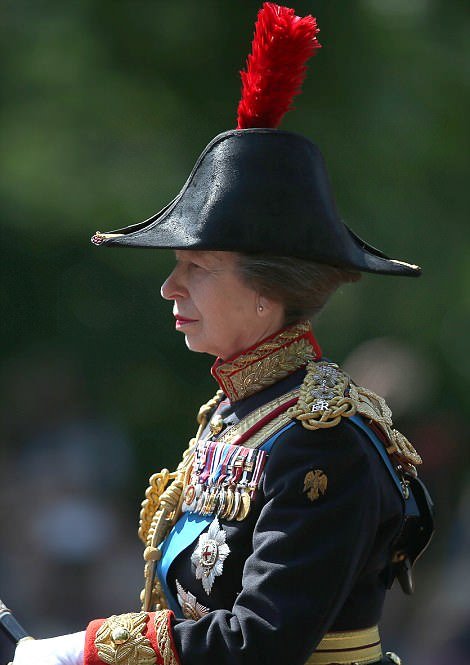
<point>235,506</point>
<point>208,505</point>
<point>245,505</point>
<point>220,505</point>
<point>210,554</point>
<point>224,480</point>
<point>201,502</point>
<point>213,501</point>
<point>228,503</point>
<point>189,498</point>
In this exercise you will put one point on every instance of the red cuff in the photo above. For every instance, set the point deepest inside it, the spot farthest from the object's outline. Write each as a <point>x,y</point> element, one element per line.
<point>91,654</point>
<point>156,628</point>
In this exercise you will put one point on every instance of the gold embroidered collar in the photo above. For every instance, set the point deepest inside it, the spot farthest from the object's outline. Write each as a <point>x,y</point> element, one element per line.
<point>264,364</point>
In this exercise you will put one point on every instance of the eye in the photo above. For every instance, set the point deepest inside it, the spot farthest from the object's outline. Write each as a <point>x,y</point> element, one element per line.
<point>196,266</point>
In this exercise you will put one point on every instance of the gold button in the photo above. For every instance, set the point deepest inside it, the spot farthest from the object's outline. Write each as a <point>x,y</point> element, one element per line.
<point>119,635</point>
<point>216,424</point>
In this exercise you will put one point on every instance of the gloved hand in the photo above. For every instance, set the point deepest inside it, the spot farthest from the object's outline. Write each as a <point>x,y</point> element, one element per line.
<point>63,650</point>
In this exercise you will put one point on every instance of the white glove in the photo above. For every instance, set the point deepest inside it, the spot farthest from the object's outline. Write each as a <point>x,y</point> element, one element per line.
<point>63,650</point>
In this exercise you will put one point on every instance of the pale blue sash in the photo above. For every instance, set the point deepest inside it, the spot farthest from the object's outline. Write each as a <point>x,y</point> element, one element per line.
<point>186,530</point>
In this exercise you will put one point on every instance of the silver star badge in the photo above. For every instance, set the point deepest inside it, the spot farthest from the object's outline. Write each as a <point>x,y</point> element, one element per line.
<point>210,554</point>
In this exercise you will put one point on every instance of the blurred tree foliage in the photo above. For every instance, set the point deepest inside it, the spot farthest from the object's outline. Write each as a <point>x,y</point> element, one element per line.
<point>105,106</point>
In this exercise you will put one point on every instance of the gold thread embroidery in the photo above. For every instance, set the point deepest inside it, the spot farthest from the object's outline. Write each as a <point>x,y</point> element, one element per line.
<point>190,606</point>
<point>327,394</point>
<point>375,408</point>
<point>164,644</point>
<point>266,364</point>
<point>119,641</point>
<point>315,483</point>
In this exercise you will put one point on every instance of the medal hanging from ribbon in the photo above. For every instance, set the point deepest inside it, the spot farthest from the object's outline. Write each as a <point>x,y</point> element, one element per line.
<point>224,480</point>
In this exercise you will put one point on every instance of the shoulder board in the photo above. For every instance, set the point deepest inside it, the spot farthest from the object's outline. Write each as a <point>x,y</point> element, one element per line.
<point>328,394</point>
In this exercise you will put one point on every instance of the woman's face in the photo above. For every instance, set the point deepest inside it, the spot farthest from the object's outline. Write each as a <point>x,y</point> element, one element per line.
<point>218,313</point>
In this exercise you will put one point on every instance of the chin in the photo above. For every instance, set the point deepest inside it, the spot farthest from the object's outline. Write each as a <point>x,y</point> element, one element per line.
<point>200,347</point>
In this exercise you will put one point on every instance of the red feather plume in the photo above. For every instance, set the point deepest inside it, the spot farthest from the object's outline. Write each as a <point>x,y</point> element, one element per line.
<point>275,69</point>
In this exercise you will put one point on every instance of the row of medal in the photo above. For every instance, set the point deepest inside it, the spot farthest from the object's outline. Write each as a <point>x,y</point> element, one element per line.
<point>224,480</point>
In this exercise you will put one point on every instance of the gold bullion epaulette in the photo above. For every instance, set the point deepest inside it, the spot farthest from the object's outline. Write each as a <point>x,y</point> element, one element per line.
<point>328,394</point>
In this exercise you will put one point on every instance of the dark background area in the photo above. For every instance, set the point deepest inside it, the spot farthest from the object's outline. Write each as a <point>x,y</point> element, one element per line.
<point>105,106</point>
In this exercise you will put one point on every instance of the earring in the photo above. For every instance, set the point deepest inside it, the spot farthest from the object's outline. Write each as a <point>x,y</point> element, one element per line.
<point>260,308</point>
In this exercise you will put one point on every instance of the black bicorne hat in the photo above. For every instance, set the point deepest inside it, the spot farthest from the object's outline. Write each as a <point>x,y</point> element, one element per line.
<point>258,191</point>
<point>263,191</point>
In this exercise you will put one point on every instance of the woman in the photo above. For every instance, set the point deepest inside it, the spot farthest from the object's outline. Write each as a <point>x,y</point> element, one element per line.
<point>296,504</point>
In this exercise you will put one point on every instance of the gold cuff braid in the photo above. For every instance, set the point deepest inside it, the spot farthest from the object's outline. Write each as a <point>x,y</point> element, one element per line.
<point>119,641</point>
<point>162,631</point>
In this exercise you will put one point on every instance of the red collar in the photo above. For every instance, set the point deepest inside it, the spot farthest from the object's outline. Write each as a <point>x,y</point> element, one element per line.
<point>267,362</point>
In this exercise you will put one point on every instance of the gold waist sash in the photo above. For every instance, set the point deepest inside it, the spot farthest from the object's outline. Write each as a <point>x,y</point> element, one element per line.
<point>343,648</point>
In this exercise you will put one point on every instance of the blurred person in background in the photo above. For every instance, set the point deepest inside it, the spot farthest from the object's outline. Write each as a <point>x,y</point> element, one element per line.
<point>297,504</point>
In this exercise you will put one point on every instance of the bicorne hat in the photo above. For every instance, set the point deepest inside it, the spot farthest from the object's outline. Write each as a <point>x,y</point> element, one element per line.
<point>257,189</point>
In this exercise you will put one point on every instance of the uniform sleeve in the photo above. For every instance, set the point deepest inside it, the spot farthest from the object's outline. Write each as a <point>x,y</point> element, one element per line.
<point>310,542</point>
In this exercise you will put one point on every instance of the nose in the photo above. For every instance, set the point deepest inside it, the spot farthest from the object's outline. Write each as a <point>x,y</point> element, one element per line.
<point>173,287</point>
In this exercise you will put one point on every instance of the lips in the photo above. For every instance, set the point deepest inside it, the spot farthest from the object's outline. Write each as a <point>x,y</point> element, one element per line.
<point>183,320</point>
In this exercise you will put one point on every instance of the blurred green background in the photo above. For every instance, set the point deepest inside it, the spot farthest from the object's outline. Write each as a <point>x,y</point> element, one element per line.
<point>105,107</point>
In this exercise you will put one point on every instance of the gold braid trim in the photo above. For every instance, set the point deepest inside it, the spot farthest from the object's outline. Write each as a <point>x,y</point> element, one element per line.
<point>322,401</point>
<point>374,407</point>
<point>266,364</point>
<point>119,641</point>
<point>161,510</point>
<point>328,394</point>
<point>163,633</point>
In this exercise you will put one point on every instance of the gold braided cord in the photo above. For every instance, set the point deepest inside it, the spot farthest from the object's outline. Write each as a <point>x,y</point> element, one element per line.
<point>154,494</point>
<point>158,482</point>
<point>162,631</point>
<point>119,641</point>
<point>161,509</point>
<point>322,402</point>
<point>328,394</point>
<point>339,407</point>
<point>206,408</point>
